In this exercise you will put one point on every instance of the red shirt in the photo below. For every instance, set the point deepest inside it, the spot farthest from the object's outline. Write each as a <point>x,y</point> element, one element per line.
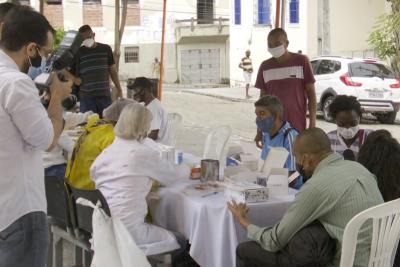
<point>287,81</point>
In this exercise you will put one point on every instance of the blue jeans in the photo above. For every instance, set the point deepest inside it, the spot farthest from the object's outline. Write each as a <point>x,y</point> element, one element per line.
<point>56,170</point>
<point>25,242</point>
<point>96,104</point>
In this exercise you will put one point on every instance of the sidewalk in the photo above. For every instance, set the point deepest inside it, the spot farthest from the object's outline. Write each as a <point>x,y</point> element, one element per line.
<point>236,94</point>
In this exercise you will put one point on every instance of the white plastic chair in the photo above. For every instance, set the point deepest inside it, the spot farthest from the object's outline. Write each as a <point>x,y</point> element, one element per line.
<point>215,143</point>
<point>385,235</point>
<point>175,123</point>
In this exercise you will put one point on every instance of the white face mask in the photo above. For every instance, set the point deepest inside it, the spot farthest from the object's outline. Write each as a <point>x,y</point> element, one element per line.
<point>278,51</point>
<point>88,42</point>
<point>348,133</point>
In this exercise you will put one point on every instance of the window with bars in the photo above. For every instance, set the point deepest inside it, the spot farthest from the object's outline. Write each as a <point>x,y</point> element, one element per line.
<point>132,54</point>
<point>238,12</point>
<point>262,14</point>
<point>92,2</point>
<point>54,2</point>
<point>205,11</point>
<point>294,11</point>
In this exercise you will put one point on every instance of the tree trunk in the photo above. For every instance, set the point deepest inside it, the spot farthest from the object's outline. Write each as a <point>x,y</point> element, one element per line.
<point>120,21</point>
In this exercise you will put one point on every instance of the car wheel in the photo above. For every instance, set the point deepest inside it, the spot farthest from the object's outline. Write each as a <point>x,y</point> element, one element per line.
<point>387,118</point>
<point>325,108</point>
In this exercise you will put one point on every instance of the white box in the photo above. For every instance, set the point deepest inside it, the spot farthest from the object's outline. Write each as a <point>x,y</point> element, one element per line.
<point>246,192</point>
<point>278,181</point>
<point>276,158</point>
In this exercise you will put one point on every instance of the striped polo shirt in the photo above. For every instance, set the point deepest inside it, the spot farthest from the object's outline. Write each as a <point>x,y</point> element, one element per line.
<point>288,81</point>
<point>247,64</point>
<point>93,66</point>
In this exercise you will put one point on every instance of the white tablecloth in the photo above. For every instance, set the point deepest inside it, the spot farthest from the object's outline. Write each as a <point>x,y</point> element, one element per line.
<point>208,224</point>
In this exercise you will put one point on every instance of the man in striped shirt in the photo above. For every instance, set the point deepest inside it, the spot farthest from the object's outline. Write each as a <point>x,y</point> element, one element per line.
<point>247,67</point>
<point>288,76</point>
<point>93,68</point>
<point>334,192</point>
<point>276,132</point>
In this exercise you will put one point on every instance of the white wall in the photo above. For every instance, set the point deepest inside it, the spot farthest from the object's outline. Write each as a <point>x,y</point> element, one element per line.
<point>254,37</point>
<point>351,23</point>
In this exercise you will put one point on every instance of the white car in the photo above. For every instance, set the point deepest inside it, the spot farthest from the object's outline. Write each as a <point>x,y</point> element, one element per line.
<point>372,82</point>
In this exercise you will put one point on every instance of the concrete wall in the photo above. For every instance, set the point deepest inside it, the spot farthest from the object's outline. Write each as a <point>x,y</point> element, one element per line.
<point>351,23</point>
<point>143,29</point>
<point>247,35</point>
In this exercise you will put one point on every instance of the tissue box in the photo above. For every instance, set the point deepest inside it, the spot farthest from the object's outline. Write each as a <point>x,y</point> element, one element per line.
<point>246,192</point>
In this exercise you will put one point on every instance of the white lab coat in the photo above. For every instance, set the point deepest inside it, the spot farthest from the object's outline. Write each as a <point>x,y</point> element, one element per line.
<point>123,172</point>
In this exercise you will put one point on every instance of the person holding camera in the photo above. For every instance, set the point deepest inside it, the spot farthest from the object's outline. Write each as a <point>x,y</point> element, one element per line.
<point>27,130</point>
<point>94,66</point>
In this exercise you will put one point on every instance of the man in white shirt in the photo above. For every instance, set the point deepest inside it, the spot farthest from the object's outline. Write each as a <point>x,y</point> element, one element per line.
<point>26,130</point>
<point>159,129</point>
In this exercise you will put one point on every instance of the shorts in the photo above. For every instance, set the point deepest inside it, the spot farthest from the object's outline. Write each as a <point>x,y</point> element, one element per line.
<point>247,77</point>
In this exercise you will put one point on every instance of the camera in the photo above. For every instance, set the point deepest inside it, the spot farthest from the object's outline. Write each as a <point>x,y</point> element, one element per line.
<point>60,59</point>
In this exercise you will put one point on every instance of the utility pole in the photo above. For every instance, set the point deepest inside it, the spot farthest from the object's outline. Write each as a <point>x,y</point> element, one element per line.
<point>278,13</point>
<point>326,29</point>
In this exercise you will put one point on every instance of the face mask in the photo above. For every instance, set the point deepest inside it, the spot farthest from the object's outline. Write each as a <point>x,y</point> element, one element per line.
<point>36,61</point>
<point>302,172</point>
<point>34,72</point>
<point>277,52</point>
<point>139,96</point>
<point>348,133</point>
<point>88,42</point>
<point>265,124</point>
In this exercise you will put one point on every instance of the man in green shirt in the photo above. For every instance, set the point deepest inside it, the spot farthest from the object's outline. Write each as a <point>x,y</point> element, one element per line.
<point>335,191</point>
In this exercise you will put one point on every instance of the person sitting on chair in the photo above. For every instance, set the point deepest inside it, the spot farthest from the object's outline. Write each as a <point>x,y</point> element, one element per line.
<point>159,130</point>
<point>98,135</point>
<point>335,190</point>
<point>348,138</point>
<point>124,173</point>
<point>276,131</point>
<point>54,161</point>
<point>380,154</point>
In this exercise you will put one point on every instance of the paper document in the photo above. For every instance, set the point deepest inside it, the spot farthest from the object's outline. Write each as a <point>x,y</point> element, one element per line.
<point>250,148</point>
<point>276,158</point>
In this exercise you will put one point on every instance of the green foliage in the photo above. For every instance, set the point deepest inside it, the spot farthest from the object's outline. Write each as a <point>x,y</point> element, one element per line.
<point>385,36</point>
<point>58,37</point>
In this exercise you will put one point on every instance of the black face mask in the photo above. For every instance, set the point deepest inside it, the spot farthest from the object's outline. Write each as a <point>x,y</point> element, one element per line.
<point>36,61</point>
<point>302,172</point>
<point>139,96</point>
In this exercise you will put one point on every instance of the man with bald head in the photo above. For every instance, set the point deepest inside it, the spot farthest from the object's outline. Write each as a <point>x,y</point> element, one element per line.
<point>334,192</point>
<point>289,77</point>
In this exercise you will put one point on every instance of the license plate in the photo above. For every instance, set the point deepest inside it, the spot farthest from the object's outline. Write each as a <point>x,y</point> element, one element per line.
<point>375,94</point>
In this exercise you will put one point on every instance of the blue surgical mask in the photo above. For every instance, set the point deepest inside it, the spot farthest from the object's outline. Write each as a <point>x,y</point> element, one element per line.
<point>33,71</point>
<point>265,124</point>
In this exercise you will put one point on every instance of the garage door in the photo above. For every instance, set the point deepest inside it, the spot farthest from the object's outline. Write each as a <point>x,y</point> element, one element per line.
<point>200,66</point>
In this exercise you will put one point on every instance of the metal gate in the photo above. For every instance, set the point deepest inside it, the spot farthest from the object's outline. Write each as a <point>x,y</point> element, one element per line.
<point>200,66</point>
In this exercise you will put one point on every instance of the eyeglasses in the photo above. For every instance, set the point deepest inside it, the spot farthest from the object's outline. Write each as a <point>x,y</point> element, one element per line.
<point>46,54</point>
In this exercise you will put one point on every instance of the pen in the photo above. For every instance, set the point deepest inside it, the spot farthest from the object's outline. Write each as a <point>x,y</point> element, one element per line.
<point>210,194</point>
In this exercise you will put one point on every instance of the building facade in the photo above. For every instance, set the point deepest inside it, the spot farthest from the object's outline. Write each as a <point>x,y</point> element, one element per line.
<point>316,27</point>
<point>196,42</point>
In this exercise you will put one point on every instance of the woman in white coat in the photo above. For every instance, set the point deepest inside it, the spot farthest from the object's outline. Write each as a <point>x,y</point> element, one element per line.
<point>124,173</point>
